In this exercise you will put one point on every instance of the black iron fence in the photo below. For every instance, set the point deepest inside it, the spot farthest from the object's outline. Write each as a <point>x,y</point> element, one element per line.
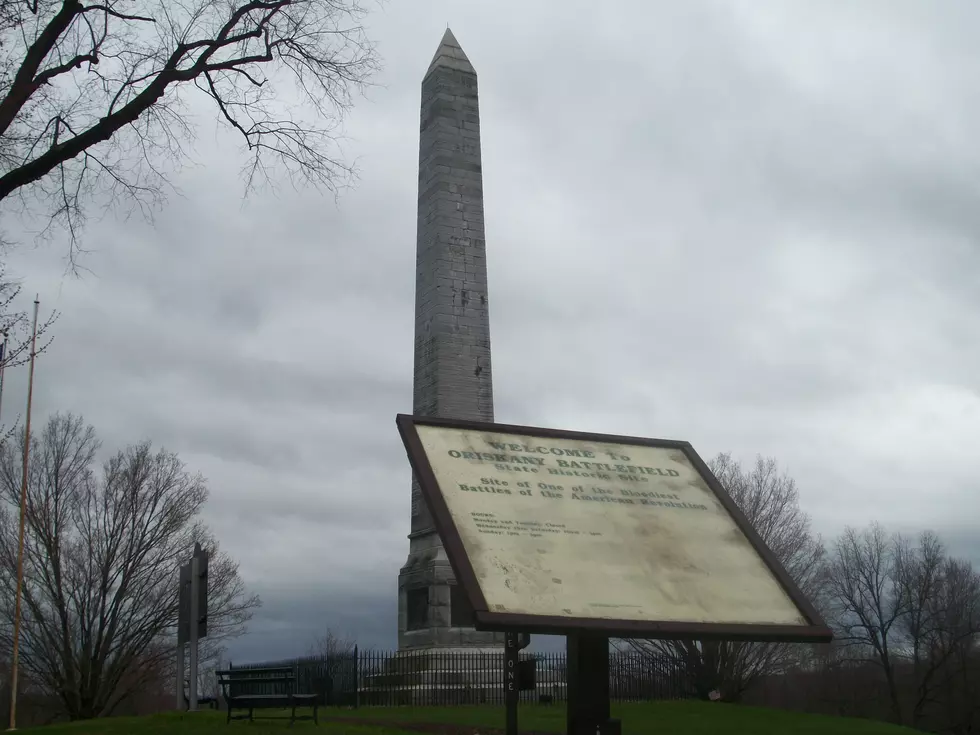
<point>385,678</point>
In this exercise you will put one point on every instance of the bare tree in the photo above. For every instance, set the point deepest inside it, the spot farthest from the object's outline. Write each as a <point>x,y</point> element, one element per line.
<point>909,608</point>
<point>919,571</point>
<point>959,678</point>
<point>332,644</point>
<point>96,95</point>
<point>868,602</point>
<point>332,660</point>
<point>101,562</point>
<point>943,647</point>
<point>770,501</point>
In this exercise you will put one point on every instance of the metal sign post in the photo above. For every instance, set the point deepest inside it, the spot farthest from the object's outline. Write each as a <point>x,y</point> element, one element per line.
<point>198,621</point>
<point>514,643</point>
<point>192,662</point>
<point>183,628</point>
<point>192,623</point>
<point>180,676</point>
<point>202,588</point>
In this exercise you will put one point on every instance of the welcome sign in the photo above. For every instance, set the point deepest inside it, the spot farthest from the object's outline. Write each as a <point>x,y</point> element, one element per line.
<point>559,530</point>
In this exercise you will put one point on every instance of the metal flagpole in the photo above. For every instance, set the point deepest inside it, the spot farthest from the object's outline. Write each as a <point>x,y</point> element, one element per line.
<point>23,517</point>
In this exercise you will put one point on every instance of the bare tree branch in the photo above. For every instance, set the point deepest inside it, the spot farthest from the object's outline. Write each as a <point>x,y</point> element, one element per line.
<point>95,97</point>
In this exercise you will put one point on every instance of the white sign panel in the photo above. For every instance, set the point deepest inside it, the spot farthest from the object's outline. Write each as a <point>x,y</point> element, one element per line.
<point>572,528</point>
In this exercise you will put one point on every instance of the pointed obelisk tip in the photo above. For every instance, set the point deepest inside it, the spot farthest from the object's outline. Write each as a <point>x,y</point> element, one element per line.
<point>450,55</point>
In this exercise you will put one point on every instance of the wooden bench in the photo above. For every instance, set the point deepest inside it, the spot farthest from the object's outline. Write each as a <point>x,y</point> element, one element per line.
<point>268,688</point>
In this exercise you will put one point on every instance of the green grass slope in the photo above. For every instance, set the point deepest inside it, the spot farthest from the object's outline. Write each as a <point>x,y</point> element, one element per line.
<point>209,723</point>
<point>655,718</point>
<point>641,718</point>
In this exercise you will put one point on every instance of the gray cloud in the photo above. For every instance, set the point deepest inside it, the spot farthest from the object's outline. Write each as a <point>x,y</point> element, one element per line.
<point>749,225</point>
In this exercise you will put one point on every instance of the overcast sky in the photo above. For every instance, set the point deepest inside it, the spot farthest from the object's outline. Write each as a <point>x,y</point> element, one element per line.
<point>751,225</point>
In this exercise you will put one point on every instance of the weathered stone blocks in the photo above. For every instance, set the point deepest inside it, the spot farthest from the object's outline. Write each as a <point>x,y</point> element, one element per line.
<point>453,374</point>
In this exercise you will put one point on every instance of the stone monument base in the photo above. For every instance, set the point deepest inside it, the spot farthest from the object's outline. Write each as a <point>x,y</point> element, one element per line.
<point>427,596</point>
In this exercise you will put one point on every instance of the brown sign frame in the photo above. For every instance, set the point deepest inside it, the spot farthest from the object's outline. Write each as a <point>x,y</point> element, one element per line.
<point>815,631</point>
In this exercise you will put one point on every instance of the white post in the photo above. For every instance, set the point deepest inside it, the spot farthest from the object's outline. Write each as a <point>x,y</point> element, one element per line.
<point>15,656</point>
<point>195,605</point>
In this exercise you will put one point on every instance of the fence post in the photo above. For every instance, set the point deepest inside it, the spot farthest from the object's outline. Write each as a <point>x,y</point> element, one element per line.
<point>357,678</point>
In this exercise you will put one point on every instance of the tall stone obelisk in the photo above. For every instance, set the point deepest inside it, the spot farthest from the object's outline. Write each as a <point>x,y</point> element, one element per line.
<point>452,331</point>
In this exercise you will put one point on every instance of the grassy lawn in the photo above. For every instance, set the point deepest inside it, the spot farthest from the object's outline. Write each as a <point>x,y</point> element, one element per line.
<point>643,718</point>
<point>209,723</point>
<point>657,718</point>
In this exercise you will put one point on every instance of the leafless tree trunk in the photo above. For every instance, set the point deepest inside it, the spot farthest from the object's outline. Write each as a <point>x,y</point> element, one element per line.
<point>919,570</point>
<point>942,616</point>
<point>869,603</point>
<point>770,501</point>
<point>95,94</point>
<point>101,562</point>
<point>958,644</point>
